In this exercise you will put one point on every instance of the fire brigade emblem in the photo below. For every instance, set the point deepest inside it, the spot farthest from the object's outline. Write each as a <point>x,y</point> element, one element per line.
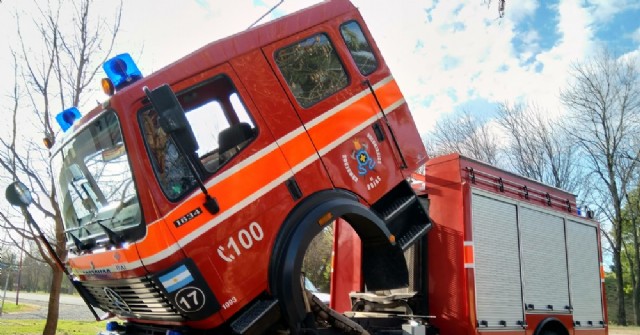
<point>367,156</point>
<point>365,162</point>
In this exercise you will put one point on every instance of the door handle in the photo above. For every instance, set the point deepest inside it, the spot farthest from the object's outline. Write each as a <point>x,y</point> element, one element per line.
<point>378,130</point>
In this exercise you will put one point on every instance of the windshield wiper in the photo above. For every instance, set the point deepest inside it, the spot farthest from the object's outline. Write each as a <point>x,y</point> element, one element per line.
<point>114,237</point>
<point>82,246</point>
<point>84,226</point>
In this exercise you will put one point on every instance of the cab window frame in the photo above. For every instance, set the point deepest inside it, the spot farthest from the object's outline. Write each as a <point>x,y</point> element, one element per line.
<point>202,171</point>
<point>130,234</point>
<point>335,51</point>
<point>368,44</point>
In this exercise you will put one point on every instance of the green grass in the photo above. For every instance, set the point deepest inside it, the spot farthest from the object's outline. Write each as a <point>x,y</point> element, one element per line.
<point>619,330</point>
<point>35,327</point>
<point>10,307</point>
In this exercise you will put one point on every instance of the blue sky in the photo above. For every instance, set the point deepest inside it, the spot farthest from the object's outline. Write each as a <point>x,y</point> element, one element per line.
<point>446,55</point>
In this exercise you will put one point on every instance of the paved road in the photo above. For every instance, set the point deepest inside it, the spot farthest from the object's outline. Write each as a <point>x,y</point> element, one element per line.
<point>71,307</point>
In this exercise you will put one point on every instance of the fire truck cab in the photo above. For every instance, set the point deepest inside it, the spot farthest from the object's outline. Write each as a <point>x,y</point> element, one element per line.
<point>189,197</point>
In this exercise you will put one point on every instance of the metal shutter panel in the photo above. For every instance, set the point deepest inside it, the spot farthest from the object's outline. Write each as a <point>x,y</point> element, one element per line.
<point>544,260</point>
<point>497,262</point>
<point>584,273</point>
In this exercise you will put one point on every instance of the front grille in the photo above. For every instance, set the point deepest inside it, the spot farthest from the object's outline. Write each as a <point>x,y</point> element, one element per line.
<point>137,298</point>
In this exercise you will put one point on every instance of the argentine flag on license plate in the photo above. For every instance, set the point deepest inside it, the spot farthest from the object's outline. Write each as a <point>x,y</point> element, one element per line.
<point>176,279</point>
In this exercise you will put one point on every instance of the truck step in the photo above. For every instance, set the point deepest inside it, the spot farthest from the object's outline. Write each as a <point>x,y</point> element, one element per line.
<point>257,316</point>
<point>405,214</point>
<point>412,235</point>
<point>397,207</point>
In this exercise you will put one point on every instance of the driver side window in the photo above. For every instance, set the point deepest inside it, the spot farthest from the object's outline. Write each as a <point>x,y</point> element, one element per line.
<point>221,125</point>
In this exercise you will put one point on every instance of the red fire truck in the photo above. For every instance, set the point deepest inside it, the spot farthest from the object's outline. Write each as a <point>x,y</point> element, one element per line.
<point>507,255</point>
<point>190,196</point>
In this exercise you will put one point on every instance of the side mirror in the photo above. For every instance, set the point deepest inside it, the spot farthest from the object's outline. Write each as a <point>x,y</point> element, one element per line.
<point>174,122</point>
<point>18,194</point>
<point>172,118</point>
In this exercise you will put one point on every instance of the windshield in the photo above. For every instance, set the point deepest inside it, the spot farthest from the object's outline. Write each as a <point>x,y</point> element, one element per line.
<point>94,183</point>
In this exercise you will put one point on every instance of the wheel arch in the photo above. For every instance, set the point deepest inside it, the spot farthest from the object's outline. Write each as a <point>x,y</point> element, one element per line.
<point>551,324</point>
<point>302,225</point>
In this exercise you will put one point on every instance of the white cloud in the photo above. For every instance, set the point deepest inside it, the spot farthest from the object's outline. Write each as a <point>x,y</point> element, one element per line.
<point>631,55</point>
<point>487,65</point>
<point>467,33</point>
<point>636,36</point>
<point>603,11</point>
<point>174,29</point>
<point>576,41</point>
<point>519,10</point>
<point>435,49</point>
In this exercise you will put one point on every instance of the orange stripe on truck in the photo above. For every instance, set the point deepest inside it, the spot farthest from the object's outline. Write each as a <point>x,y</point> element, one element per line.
<point>247,178</point>
<point>297,149</point>
<point>389,94</point>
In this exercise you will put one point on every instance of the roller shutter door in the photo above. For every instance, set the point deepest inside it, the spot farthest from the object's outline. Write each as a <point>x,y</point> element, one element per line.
<point>497,263</point>
<point>584,274</point>
<point>544,260</point>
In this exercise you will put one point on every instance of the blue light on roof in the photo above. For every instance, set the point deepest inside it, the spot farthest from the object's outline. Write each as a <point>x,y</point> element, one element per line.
<point>67,117</point>
<point>122,71</point>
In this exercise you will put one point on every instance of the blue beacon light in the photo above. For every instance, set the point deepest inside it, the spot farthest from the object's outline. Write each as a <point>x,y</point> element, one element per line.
<point>67,117</point>
<point>122,71</point>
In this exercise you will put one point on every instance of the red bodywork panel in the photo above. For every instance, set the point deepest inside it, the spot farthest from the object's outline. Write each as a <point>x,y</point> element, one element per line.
<point>451,277</point>
<point>308,145</point>
<point>452,287</point>
<point>347,275</point>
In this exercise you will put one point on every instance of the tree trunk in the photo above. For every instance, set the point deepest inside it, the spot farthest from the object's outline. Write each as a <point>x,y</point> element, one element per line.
<point>635,265</point>
<point>54,303</point>
<point>636,303</point>
<point>633,275</point>
<point>622,316</point>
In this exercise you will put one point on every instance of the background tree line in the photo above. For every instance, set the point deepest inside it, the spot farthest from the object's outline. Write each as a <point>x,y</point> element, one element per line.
<point>32,275</point>
<point>59,52</point>
<point>590,148</point>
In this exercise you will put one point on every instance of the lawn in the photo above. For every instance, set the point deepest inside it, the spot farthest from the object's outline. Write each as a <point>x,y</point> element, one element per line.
<point>34,327</point>
<point>13,308</point>
<point>618,330</point>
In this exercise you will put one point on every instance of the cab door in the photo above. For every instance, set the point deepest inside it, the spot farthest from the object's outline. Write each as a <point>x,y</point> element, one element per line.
<point>338,108</point>
<point>241,169</point>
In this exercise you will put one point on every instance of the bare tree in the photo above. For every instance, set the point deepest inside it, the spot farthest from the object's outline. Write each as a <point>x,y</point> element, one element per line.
<point>631,247</point>
<point>464,134</point>
<point>501,6</point>
<point>603,100</point>
<point>539,148</point>
<point>52,78</point>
